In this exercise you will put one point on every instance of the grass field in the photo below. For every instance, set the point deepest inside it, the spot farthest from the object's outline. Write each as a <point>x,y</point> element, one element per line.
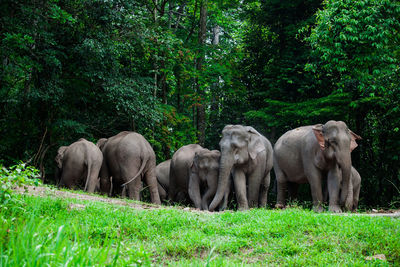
<point>35,231</point>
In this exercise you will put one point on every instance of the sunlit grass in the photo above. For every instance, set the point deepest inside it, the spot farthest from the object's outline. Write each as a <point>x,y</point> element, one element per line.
<point>36,231</point>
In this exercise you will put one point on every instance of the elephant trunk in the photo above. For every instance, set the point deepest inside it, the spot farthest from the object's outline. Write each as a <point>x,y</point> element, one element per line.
<point>346,195</point>
<point>225,167</point>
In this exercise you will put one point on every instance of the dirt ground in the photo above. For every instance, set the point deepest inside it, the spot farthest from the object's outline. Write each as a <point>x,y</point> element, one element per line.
<point>45,191</point>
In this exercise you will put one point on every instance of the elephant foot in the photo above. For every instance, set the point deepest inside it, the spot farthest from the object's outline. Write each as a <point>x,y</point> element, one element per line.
<point>279,206</point>
<point>318,209</point>
<point>335,209</point>
<point>243,208</point>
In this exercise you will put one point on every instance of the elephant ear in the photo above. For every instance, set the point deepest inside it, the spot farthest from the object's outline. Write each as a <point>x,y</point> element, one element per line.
<point>217,153</point>
<point>227,128</point>
<point>354,137</point>
<point>101,142</point>
<point>317,129</point>
<point>193,166</point>
<point>60,156</point>
<point>255,143</point>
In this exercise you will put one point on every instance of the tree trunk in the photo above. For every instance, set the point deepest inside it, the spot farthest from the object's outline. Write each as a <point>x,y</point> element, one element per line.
<point>201,116</point>
<point>215,90</point>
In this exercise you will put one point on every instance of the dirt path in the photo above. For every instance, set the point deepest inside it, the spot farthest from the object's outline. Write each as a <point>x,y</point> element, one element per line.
<point>46,191</point>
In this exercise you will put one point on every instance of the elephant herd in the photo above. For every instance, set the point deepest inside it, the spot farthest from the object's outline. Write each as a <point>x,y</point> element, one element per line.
<point>318,155</point>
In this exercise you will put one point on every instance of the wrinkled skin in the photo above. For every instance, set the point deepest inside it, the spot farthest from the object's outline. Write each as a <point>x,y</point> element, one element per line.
<point>355,180</point>
<point>128,158</point>
<point>79,164</point>
<point>310,153</point>
<point>162,174</point>
<point>193,175</point>
<point>247,155</point>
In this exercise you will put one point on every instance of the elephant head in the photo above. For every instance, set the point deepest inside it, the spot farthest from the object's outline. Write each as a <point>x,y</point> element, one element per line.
<point>206,164</point>
<point>101,142</point>
<point>337,141</point>
<point>60,155</point>
<point>239,145</point>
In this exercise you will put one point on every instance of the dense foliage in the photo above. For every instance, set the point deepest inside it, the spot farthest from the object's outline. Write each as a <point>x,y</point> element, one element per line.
<point>177,71</point>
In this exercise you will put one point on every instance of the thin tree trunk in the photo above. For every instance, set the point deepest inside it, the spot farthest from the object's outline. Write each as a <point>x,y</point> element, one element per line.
<point>201,116</point>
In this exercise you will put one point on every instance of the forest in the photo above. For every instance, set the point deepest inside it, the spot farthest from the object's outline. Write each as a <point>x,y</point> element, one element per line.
<point>178,71</point>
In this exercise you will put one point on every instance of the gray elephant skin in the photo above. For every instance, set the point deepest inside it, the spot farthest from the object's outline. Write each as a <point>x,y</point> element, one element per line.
<point>79,163</point>
<point>128,158</point>
<point>247,155</point>
<point>162,174</point>
<point>193,175</point>
<point>355,180</point>
<point>311,153</point>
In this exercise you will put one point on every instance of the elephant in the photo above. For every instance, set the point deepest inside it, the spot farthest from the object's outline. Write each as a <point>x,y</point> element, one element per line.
<point>162,175</point>
<point>247,155</point>
<point>194,174</point>
<point>128,157</point>
<point>310,153</point>
<point>203,179</point>
<point>355,180</point>
<point>79,163</point>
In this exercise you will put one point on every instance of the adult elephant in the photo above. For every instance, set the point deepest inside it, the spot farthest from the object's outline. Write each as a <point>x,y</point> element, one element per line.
<point>79,163</point>
<point>162,175</point>
<point>248,156</point>
<point>128,158</point>
<point>193,175</point>
<point>309,153</point>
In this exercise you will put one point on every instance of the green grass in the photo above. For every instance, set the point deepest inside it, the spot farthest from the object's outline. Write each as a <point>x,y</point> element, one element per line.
<point>37,231</point>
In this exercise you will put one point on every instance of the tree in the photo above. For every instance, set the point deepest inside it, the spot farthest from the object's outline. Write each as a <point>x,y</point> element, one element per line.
<point>357,45</point>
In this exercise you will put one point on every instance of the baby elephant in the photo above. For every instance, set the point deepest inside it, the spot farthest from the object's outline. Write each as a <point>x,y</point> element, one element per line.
<point>162,175</point>
<point>203,179</point>
<point>355,180</point>
<point>79,163</point>
<point>194,173</point>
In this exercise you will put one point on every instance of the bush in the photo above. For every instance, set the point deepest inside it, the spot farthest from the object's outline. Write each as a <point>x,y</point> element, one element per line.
<point>14,176</point>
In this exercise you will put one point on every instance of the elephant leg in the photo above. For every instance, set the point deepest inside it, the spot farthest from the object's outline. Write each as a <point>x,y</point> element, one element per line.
<point>264,190</point>
<point>172,184</point>
<point>314,178</point>
<point>194,190</point>
<point>333,183</point>
<point>123,192</point>
<point>151,181</point>
<point>281,186</point>
<point>208,195</point>
<point>105,180</point>
<point>356,194</point>
<point>134,188</point>
<point>162,192</point>
<point>93,176</point>
<point>239,180</point>
<point>254,183</point>
<point>66,180</point>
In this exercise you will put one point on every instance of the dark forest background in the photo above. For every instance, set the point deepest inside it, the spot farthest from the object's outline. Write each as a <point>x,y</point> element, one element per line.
<point>177,71</point>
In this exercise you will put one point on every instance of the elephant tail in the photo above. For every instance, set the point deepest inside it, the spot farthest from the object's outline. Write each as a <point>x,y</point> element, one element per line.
<point>137,174</point>
<point>89,165</point>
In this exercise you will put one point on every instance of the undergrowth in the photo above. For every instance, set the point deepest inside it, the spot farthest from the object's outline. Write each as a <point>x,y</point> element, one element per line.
<point>55,231</point>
